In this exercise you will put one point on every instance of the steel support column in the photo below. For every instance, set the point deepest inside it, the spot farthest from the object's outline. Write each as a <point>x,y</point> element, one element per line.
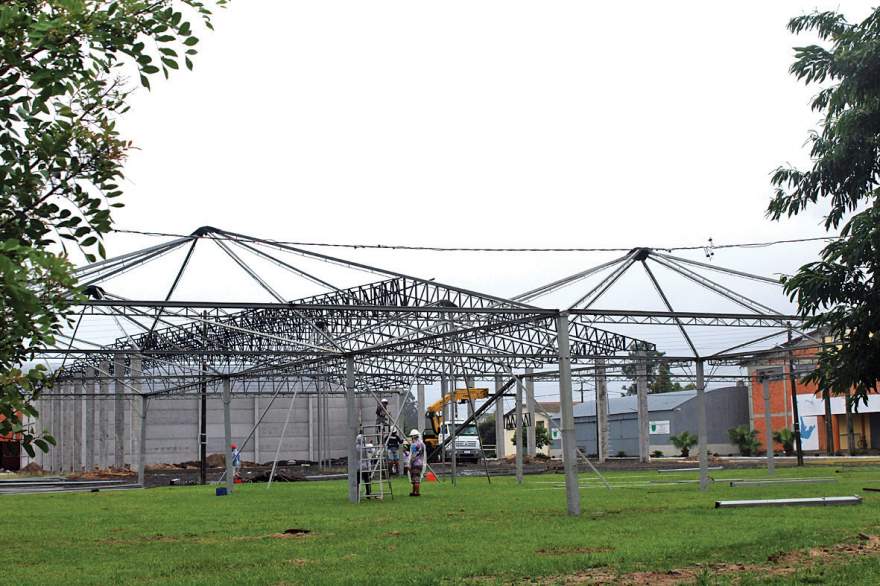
<point>118,413</point>
<point>569,449</point>
<point>768,427</point>
<point>517,430</point>
<point>420,407</point>
<point>601,411</point>
<point>135,406</point>
<point>90,418</point>
<point>104,405</point>
<point>352,429</point>
<point>531,443</point>
<point>78,426</point>
<point>227,434</point>
<point>142,443</point>
<point>702,428</point>
<point>642,391</point>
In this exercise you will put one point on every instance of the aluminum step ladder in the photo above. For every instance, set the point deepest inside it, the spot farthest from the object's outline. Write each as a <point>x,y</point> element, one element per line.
<point>373,473</point>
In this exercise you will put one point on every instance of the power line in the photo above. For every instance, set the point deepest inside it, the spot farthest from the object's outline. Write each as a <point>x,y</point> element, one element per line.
<point>490,249</point>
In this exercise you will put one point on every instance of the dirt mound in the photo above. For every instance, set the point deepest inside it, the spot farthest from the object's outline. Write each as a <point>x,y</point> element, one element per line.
<point>159,467</point>
<point>216,461</point>
<point>102,474</point>
<point>32,468</point>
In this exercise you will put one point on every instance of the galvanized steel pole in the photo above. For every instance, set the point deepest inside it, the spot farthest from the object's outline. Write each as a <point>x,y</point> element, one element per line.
<point>517,430</point>
<point>227,433</point>
<point>702,427</point>
<point>352,430</point>
<point>601,411</point>
<point>642,391</point>
<point>569,449</point>
<point>768,425</point>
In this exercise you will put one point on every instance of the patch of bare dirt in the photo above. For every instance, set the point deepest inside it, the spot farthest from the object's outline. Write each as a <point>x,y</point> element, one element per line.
<point>103,474</point>
<point>778,564</point>
<point>294,533</point>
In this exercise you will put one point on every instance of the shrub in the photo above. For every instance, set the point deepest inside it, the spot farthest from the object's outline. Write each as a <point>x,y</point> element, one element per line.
<point>785,437</point>
<point>746,439</point>
<point>656,454</point>
<point>621,454</point>
<point>684,442</point>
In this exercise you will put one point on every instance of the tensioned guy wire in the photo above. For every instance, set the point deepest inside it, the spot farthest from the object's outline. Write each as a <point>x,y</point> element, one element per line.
<point>493,249</point>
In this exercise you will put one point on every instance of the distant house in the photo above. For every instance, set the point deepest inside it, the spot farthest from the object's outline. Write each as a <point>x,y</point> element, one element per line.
<point>541,421</point>
<point>668,414</point>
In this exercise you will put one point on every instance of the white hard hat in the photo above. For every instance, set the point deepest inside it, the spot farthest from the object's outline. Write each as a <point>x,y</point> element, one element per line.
<point>384,400</point>
<point>414,432</point>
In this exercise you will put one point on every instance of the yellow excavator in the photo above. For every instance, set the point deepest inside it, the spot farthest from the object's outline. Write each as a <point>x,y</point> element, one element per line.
<point>467,441</point>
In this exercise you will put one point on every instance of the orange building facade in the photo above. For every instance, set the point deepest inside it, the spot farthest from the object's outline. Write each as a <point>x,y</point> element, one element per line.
<point>812,409</point>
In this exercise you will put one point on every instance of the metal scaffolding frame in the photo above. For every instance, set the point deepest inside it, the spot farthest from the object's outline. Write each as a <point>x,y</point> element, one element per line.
<point>391,333</point>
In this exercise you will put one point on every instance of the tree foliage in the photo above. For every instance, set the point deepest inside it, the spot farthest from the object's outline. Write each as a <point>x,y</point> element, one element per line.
<point>658,374</point>
<point>542,437</point>
<point>64,68</point>
<point>839,293</point>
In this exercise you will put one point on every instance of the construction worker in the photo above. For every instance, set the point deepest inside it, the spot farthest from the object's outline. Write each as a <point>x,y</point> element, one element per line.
<point>393,445</point>
<point>236,462</point>
<point>416,461</point>
<point>382,415</point>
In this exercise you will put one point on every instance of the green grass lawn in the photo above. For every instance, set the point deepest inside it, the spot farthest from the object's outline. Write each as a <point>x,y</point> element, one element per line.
<point>450,535</point>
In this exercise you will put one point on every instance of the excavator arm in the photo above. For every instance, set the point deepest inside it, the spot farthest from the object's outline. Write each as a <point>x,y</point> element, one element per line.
<point>434,411</point>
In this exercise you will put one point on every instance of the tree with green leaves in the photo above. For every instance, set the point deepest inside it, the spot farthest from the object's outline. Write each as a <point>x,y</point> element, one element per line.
<point>839,293</point>
<point>542,437</point>
<point>64,68</point>
<point>658,374</point>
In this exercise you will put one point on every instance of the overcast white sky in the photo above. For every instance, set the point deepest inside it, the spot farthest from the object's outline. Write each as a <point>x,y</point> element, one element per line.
<point>481,123</point>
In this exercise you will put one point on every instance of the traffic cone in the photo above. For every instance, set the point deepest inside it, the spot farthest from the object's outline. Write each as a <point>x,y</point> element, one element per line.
<point>430,477</point>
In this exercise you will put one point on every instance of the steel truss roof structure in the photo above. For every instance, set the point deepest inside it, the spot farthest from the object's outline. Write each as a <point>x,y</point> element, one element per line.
<point>400,330</point>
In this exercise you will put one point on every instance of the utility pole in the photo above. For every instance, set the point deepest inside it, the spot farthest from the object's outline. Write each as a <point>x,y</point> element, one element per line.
<point>796,425</point>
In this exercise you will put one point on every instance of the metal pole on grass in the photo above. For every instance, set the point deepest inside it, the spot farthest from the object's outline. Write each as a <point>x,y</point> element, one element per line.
<point>227,433</point>
<point>351,436</point>
<point>768,425</point>
<point>142,444</point>
<point>569,453</point>
<point>517,430</point>
<point>642,392</point>
<point>702,431</point>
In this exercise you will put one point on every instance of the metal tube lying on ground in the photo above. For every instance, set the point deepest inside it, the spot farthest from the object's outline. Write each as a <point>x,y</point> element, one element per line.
<point>780,481</point>
<point>825,501</point>
<point>688,469</point>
